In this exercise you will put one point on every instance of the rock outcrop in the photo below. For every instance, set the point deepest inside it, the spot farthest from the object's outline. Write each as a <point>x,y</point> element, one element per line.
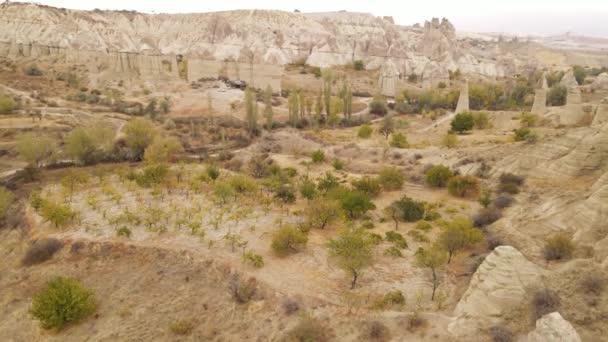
<point>601,113</point>
<point>539,107</point>
<point>552,327</point>
<point>600,82</point>
<point>499,285</point>
<point>572,113</point>
<point>463,98</point>
<point>568,80</point>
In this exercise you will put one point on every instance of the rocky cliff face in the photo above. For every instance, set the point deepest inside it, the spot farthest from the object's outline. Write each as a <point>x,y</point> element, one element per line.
<point>251,37</point>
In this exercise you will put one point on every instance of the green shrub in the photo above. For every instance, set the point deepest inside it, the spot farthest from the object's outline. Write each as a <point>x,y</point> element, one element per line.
<point>33,70</point>
<point>397,239</point>
<point>369,185</point>
<point>378,106</point>
<point>338,164</point>
<point>359,65</point>
<point>524,134</point>
<point>307,330</point>
<point>181,327</point>
<point>63,301</point>
<point>391,178</point>
<point>7,104</point>
<point>424,226</point>
<point>579,74</point>
<point>409,210</point>
<point>318,156</point>
<point>557,95</point>
<point>558,247</point>
<point>124,231</point>
<point>287,240</point>
<point>365,131</point>
<point>462,122</point>
<point>328,182</point>
<point>58,214</point>
<point>253,259</point>
<point>6,200</point>
<point>399,140</point>
<point>438,176</point>
<point>528,119</point>
<point>285,193</point>
<point>393,251</point>
<point>463,186</point>
<point>431,215</point>
<point>212,171</point>
<point>417,236</point>
<point>151,175</point>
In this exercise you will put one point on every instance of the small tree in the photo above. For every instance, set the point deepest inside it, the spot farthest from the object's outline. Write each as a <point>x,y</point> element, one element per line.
<point>355,203</point>
<point>251,107</point>
<point>163,150</point>
<point>63,301</point>
<point>462,122</point>
<point>223,191</point>
<point>463,186</point>
<point>139,134</point>
<point>579,74</point>
<point>369,185</point>
<point>387,126</point>
<point>395,213</point>
<point>438,176</point>
<point>459,234</point>
<point>409,210</point>
<point>323,213</point>
<point>36,150</point>
<point>73,179</point>
<point>287,240</point>
<point>88,145</point>
<point>268,114</point>
<point>59,215</point>
<point>353,252</point>
<point>318,156</point>
<point>432,259</point>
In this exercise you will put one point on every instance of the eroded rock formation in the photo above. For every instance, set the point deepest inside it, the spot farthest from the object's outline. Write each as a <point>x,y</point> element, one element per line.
<point>498,286</point>
<point>463,99</point>
<point>552,327</point>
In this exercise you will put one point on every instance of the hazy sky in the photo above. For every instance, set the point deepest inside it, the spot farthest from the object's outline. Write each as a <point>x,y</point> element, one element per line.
<point>589,17</point>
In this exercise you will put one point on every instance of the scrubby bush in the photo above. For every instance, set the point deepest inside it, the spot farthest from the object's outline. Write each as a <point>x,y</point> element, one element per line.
<point>287,240</point>
<point>151,175</point>
<point>181,327</point>
<point>503,201</point>
<point>6,200</point>
<point>308,329</point>
<point>558,247</point>
<point>365,131</point>
<point>417,236</point>
<point>337,164</point>
<point>397,239</point>
<point>500,333</point>
<point>486,217</point>
<point>58,214</point>
<point>399,140</point>
<point>449,140</point>
<point>375,331</point>
<point>524,134</point>
<point>41,251</point>
<point>557,95</point>
<point>368,185</point>
<point>393,251</point>
<point>307,188</point>
<point>7,104</point>
<point>35,149</point>
<point>463,186</point>
<point>242,291</point>
<point>89,145</point>
<point>290,305</point>
<point>212,171</point>
<point>424,226</point>
<point>593,283</point>
<point>544,301</point>
<point>285,193</point>
<point>359,65</point>
<point>33,70</point>
<point>528,119</point>
<point>253,259</point>
<point>391,178</point>
<point>579,74</point>
<point>438,176</point>
<point>481,120</point>
<point>63,301</point>
<point>163,150</point>
<point>124,231</point>
<point>462,122</point>
<point>378,106</point>
<point>318,156</point>
<point>409,210</point>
